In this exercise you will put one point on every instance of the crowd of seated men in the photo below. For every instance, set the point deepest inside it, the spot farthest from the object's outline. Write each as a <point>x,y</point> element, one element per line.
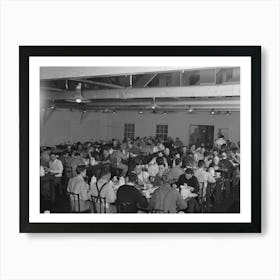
<point>144,174</point>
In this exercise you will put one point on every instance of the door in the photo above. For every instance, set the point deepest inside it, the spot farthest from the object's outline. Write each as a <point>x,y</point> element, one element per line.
<point>202,134</point>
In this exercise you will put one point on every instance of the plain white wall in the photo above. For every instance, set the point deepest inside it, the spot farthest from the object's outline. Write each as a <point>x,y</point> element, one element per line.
<point>65,125</point>
<point>139,256</point>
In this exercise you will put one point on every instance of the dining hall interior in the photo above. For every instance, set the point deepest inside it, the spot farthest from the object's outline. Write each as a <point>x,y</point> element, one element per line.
<point>144,140</point>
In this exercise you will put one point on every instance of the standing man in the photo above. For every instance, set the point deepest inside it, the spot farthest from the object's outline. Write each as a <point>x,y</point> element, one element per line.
<point>56,168</point>
<point>228,168</point>
<point>204,178</point>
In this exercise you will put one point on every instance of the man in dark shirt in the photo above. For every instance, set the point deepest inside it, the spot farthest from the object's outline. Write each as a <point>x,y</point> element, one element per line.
<point>227,168</point>
<point>168,143</point>
<point>178,143</point>
<point>189,179</point>
<point>105,157</point>
<point>129,199</point>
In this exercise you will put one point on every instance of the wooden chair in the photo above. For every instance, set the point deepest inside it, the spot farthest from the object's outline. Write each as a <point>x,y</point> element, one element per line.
<point>202,196</point>
<point>123,207</point>
<point>74,199</point>
<point>99,204</point>
<point>75,206</point>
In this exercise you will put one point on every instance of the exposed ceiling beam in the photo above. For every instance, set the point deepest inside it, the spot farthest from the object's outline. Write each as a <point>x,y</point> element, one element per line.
<point>67,72</point>
<point>96,83</point>
<point>225,103</point>
<point>52,89</point>
<point>137,108</point>
<point>144,80</point>
<point>166,92</point>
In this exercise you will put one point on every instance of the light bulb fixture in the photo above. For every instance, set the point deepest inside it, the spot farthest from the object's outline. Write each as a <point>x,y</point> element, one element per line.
<point>190,109</point>
<point>79,86</point>
<point>114,112</point>
<point>212,112</point>
<point>227,113</point>
<point>140,112</point>
<point>52,105</point>
<point>164,113</point>
<point>84,111</point>
<point>153,107</point>
<point>78,100</point>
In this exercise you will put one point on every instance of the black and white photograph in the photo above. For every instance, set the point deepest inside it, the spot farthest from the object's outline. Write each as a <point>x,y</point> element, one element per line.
<point>140,140</point>
<point>124,134</point>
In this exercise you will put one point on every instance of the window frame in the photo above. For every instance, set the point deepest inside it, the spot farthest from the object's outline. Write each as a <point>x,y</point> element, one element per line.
<point>129,130</point>
<point>162,131</point>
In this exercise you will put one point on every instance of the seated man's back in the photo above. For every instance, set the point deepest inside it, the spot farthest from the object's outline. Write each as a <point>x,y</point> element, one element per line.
<point>129,199</point>
<point>104,188</point>
<point>78,186</point>
<point>167,199</point>
<point>132,199</point>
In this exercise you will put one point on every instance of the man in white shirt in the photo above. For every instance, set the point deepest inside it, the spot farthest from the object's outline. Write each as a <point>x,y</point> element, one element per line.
<point>104,188</point>
<point>153,167</point>
<point>203,177</point>
<point>220,141</point>
<point>56,168</point>
<point>143,176</point>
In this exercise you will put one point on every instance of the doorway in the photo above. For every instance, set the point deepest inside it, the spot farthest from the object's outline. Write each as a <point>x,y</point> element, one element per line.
<point>202,134</point>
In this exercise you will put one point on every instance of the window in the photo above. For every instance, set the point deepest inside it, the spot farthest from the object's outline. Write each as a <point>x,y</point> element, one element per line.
<point>162,131</point>
<point>129,130</point>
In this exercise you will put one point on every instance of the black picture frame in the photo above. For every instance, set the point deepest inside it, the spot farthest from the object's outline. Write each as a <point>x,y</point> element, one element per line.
<point>25,52</point>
